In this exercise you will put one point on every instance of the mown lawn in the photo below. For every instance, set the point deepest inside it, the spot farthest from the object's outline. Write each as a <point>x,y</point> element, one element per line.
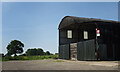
<point>30,57</point>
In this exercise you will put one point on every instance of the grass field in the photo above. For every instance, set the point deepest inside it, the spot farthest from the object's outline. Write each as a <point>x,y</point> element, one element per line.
<point>30,57</point>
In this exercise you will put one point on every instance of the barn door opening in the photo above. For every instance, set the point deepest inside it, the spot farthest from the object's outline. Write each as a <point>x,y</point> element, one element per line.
<point>73,51</point>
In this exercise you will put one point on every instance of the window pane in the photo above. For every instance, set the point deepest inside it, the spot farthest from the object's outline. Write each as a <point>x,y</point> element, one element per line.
<point>85,35</point>
<point>69,33</point>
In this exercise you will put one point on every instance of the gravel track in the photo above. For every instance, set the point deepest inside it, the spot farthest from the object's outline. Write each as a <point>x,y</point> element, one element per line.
<point>59,65</point>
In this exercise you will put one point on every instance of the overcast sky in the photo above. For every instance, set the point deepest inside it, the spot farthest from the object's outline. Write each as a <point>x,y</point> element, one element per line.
<point>36,24</point>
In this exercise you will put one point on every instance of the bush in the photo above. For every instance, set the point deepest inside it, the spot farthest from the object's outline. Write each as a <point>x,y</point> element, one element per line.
<point>7,58</point>
<point>18,58</point>
<point>22,55</point>
<point>56,53</point>
<point>55,57</point>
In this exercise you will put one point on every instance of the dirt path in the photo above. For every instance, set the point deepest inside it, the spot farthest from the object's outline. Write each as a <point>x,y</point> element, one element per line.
<point>59,65</point>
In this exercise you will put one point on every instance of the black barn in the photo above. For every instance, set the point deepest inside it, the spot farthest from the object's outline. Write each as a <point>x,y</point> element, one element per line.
<point>89,39</point>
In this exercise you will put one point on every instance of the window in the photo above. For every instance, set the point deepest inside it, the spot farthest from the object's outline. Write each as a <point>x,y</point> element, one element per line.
<point>85,35</point>
<point>69,34</point>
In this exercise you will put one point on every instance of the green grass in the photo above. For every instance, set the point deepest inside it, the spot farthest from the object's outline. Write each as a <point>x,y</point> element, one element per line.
<point>0,58</point>
<point>30,57</point>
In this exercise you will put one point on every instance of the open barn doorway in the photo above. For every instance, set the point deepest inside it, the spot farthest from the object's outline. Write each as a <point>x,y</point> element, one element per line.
<point>73,51</point>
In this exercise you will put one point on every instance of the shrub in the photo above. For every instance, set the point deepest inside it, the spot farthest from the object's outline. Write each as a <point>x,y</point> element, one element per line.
<point>6,58</point>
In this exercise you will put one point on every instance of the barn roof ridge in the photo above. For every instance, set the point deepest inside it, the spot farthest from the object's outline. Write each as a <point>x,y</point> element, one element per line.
<point>90,18</point>
<point>84,19</point>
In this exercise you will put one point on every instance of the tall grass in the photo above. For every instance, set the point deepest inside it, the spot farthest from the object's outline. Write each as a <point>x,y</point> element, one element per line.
<point>30,57</point>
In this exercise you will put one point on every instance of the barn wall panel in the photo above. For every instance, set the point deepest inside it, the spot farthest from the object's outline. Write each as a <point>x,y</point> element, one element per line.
<point>86,50</point>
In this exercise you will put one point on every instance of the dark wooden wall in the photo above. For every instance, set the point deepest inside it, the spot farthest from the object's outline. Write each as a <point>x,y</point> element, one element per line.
<point>77,33</point>
<point>108,42</point>
<point>63,36</point>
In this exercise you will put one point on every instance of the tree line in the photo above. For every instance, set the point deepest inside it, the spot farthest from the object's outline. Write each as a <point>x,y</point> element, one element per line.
<point>38,51</point>
<point>16,47</point>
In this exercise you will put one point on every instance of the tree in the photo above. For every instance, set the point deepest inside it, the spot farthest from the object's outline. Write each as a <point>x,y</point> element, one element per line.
<point>23,54</point>
<point>1,55</point>
<point>15,47</point>
<point>31,52</point>
<point>56,53</point>
<point>8,54</point>
<point>47,53</point>
<point>40,51</point>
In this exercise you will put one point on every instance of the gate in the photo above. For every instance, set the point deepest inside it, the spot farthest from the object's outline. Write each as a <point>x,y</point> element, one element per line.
<point>86,50</point>
<point>64,51</point>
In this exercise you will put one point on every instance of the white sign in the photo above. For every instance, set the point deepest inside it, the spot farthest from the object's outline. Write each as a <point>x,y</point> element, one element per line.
<point>98,32</point>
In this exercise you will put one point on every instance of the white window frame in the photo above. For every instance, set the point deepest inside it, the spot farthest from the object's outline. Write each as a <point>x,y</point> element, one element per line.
<point>69,34</point>
<point>85,33</point>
